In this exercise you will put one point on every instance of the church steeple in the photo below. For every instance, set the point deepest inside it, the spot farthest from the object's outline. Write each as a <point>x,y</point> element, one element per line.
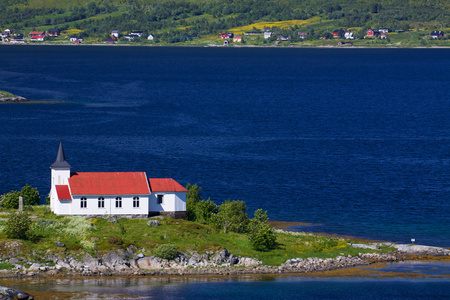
<point>60,161</point>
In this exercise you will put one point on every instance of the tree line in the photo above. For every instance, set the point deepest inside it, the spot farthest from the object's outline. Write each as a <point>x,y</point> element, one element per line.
<point>180,19</point>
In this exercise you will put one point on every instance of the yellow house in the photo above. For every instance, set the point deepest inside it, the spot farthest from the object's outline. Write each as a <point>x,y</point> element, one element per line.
<point>237,39</point>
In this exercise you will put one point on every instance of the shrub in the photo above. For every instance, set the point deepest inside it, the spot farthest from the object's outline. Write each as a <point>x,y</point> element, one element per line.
<point>263,238</point>
<point>166,251</point>
<point>204,211</point>
<point>232,216</point>
<point>11,200</point>
<point>115,240</point>
<point>17,226</point>
<point>261,215</point>
<point>192,198</point>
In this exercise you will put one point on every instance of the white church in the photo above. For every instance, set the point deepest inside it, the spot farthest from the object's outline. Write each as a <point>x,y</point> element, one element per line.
<point>126,194</point>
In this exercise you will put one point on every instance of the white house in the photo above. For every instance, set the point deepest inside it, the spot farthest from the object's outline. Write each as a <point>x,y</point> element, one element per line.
<point>150,37</point>
<point>113,193</point>
<point>349,35</point>
<point>115,33</point>
<point>267,35</point>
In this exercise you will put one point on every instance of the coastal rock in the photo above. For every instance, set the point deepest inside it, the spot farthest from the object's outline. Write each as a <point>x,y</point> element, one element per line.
<point>11,249</point>
<point>153,223</point>
<point>421,250</point>
<point>221,257</point>
<point>113,259</point>
<point>249,262</point>
<point>14,99</point>
<point>8,293</point>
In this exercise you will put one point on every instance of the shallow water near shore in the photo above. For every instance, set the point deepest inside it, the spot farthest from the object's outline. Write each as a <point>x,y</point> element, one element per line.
<point>292,286</point>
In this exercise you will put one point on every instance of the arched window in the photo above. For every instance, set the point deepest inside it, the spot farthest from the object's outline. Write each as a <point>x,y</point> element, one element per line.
<point>119,202</point>
<point>136,202</point>
<point>101,202</point>
<point>83,202</point>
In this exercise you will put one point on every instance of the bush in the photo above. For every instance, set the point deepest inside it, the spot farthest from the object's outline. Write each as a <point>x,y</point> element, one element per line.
<point>115,240</point>
<point>11,200</point>
<point>204,211</point>
<point>232,216</point>
<point>17,226</point>
<point>166,251</point>
<point>192,198</point>
<point>263,238</point>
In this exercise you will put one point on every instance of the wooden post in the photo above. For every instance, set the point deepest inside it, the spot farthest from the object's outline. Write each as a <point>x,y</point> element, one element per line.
<point>20,203</point>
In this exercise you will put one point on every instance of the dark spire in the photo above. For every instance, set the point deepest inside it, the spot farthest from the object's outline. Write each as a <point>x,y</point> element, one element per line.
<point>60,161</point>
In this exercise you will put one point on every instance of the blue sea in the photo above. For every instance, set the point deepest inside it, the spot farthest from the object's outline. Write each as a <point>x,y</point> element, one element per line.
<point>353,141</point>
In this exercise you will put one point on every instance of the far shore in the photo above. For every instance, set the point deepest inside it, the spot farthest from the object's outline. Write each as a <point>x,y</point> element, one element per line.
<point>225,46</point>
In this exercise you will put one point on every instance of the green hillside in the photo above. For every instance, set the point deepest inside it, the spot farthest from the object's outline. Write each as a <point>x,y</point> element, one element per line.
<point>200,21</point>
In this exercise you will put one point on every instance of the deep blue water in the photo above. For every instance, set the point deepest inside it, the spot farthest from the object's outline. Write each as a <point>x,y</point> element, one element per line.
<point>356,140</point>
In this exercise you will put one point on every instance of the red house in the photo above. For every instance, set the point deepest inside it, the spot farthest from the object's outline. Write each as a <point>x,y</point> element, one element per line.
<point>372,32</point>
<point>338,33</point>
<point>36,33</point>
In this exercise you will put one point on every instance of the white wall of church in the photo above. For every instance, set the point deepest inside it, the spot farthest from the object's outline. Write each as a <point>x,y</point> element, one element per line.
<point>94,208</point>
<point>172,201</point>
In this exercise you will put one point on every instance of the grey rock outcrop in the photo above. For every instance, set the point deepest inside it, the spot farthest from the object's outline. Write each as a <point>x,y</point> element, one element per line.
<point>153,223</point>
<point>13,99</point>
<point>7,293</point>
<point>421,250</point>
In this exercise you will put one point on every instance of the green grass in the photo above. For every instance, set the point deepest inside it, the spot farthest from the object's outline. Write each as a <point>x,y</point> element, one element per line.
<point>6,266</point>
<point>5,94</point>
<point>94,236</point>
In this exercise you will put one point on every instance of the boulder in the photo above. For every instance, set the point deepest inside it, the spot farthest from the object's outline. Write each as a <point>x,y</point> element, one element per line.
<point>8,293</point>
<point>59,244</point>
<point>153,223</point>
<point>249,262</point>
<point>221,256</point>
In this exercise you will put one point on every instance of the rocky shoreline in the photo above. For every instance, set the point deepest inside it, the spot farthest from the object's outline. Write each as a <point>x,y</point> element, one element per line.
<point>131,262</point>
<point>13,99</point>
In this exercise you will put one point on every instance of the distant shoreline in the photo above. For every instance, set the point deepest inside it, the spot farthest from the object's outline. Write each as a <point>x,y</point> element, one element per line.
<point>227,46</point>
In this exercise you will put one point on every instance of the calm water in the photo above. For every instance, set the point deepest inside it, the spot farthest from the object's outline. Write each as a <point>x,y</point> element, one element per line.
<point>353,141</point>
<point>258,287</point>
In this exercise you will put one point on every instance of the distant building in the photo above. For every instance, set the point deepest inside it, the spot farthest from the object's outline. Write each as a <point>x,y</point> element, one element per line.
<point>54,32</point>
<point>267,34</point>
<point>150,37</point>
<point>237,39</point>
<point>109,41</point>
<point>373,32</point>
<point>383,30</point>
<point>436,34</point>
<point>303,35</point>
<point>384,36</point>
<point>349,36</point>
<point>338,33</point>
<point>115,33</point>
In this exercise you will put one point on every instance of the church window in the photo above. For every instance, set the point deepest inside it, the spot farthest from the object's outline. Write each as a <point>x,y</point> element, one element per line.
<point>101,202</point>
<point>83,202</point>
<point>119,202</point>
<point>160,199</point>
<point>136,202</point>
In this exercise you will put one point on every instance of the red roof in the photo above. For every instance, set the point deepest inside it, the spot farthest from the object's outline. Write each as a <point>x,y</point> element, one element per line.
<point>36,33</point>
<point>109,183</point>
<point>63,192</point>
<point>165,185</point>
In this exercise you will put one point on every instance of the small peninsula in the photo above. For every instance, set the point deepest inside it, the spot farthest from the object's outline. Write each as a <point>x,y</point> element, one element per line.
<point>7,97</point>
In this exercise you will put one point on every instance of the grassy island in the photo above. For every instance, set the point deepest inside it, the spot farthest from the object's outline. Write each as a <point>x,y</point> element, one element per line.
<point>214,240</point>
<point>96,236</point>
